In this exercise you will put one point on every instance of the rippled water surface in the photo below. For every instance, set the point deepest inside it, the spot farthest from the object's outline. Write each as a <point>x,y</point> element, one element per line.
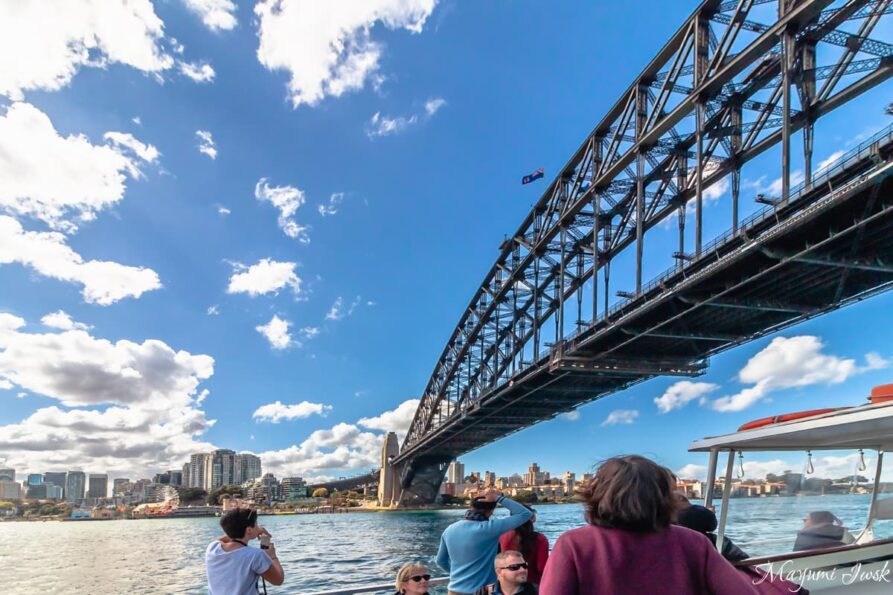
<point>317,551</point>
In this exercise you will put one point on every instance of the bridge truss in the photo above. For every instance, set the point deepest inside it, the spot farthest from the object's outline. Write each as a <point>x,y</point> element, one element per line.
<point>736,79</point>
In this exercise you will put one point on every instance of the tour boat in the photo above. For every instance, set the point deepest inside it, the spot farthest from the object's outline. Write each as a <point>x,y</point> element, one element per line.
<point>866,565</point>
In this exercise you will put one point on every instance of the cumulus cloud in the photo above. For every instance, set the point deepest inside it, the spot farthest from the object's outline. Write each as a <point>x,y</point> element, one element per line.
<point>222,210</point>
<point>692,471</point>
<point>789,362</point>
<point>150,421</point>
<point>327,48</point>
<point>276,412</point>
<point>104,282</point>
<point>206,144</point>
<point>200,72</point>
<point>680,393</point>
<point>267,276</point>
<point>570,415</point>
<point>432,106</point>
<point>217,15</point>
<point>276,332</point>
<point>620,416</point>
<point>43,44</point>
<point>287,199</point>
<point>61,320</point>
<point>327,210</point>
<point>396,420</point>
<point>342,449</point>
<point>62,180</point>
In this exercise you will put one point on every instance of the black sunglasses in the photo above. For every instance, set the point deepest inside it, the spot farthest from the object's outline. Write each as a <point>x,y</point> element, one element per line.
<point>514,567</point>
<point>419,578</point>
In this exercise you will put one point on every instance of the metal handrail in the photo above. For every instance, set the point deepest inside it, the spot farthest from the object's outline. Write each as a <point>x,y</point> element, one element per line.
<point>377,588</point>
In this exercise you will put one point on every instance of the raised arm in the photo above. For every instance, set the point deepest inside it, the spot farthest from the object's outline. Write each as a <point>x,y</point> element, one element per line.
<point>520,514</point>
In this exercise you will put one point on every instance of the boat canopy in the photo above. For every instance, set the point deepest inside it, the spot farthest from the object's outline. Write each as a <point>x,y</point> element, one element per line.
<point>868,426</point>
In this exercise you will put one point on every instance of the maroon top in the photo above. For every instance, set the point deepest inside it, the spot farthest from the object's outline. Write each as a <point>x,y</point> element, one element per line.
<point>591,560</point>
<point>536,561</point>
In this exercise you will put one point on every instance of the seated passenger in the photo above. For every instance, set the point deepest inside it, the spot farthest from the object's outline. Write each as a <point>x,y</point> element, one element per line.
<point>412,579</point>
<point>511,576</point>
<point>701,519</point>
<point>821,529</point>
<point>629,545</point>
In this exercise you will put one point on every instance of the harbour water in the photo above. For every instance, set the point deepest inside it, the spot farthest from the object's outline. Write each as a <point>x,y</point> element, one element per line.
<point>318,551</point>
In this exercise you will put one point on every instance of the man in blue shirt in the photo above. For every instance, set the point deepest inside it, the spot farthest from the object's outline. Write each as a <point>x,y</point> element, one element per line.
<point>468,547</point>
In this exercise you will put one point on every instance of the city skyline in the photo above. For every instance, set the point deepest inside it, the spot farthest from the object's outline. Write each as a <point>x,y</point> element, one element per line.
<point>205,243</point>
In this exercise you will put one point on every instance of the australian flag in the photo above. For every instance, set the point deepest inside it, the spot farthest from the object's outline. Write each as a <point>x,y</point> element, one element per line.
<point>534,176</point>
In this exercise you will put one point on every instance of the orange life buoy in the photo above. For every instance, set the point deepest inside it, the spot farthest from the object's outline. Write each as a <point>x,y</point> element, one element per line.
<point>777,419</point>
<point>881,394</point>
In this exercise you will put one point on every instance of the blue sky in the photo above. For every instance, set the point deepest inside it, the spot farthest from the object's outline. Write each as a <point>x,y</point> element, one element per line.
<point>288,289</point>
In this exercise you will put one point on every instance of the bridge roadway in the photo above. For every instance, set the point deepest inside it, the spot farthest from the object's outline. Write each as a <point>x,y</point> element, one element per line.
<point>829,246</point>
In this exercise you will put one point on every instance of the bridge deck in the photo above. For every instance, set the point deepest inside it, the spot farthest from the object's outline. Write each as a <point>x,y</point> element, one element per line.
<point>831,245</point>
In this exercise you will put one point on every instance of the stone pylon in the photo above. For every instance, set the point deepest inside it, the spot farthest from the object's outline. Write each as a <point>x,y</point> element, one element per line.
<point>388,481</point>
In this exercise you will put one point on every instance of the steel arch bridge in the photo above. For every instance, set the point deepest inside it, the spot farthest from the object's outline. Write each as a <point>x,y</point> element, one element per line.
<point>541,335</point>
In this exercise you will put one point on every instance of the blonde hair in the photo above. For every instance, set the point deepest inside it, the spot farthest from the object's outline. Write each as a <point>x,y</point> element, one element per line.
<point>407,571</point>
<point>501,556</point>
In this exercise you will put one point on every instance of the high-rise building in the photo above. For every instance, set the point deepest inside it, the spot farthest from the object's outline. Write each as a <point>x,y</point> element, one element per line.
<point>456,472</point>
<point>75,482</point>
<point>220,468</point>
<point>57,479</point>
<point>162,478</point>
<point>266,489</point>
<point>570,482</point>
<point>53,491</point>
<point>120,485</point>
<point>36,491</point>
<point>197,465</point>
<point>293,488</point>
<point>249,467</point>
<point>10,490</point>
<point>98,487</point>
<point>7,474</point>
<point>534,476</point>
<point>176,477</point>
<point>187,480</point>
<point>34,479</point>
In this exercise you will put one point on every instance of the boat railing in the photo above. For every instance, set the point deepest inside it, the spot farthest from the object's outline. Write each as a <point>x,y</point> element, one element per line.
<point>376,588</point>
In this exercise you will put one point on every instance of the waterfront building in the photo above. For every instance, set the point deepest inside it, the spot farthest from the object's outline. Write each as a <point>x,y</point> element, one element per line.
<point>264,490</point>
<point>120,485</point>
<point>57,479</point>
<point>387,478</point>
<point>197,465</point>
<point>36,492</point>
<point>98,486</point>
<point>7,474</point>
<point>34,479</point>
<point>176,477</point>
<point>248,467</point>
<point>448,488</point>
<point>10,490</point>
<point>489,479</point>
<point>570,482</point>
<point>53,492</point>
<point>75,484</point>
<point>162,478</point>
<point>187,480</point>
<point>456,472</point>
<point>219,469</point>
<point>293,488</point>
<point>534,476</point>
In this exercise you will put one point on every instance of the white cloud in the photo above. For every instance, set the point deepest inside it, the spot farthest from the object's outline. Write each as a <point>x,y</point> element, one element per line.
<point>276,412</point>
<point>620,416</point>
<point>384,126</point>
<point>206,144</point>
<point>213,310</point>
<point>267,276</point>
<point>570,415</point>
<point>773,188</point>
<point>341,450</point>
<point>337,311</point>
<point>77,369</point>
<point>327,47</point>
<point>61,320</point>
<point>136,120</point>
<point>54,178</point>
<point>396,420</point>
<point>309,332</point>
<point>833,157</point>
<point>432,106</point>
<point>43,44</point>
<point>789,362</point>
<point>104,282</point>
<point>222,210</point>
<point>276,332</point>
<point>217,15</point>
<point>679,394</point>
<point>830,466</point>
<point>5,384</point>
<point>200,72</point>
<point>331,208</point>
<point>153,420</point>
<point>288,200</point>
<point>692,471</point>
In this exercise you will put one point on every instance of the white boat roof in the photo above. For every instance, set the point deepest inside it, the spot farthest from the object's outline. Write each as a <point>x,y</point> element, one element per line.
<point>867,426</point>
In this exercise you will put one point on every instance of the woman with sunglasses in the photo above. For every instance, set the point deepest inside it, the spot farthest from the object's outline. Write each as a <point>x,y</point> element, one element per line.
<point>412,579</point>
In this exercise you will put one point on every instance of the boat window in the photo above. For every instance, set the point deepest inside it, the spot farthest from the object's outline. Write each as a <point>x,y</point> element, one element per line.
<point>779,506</point>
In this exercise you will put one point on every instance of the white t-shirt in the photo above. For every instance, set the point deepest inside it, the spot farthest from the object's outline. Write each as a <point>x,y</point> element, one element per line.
<point>235,572</point>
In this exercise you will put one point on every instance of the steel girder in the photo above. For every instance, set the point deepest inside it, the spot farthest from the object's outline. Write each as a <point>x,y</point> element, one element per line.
<point>678,128</point>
